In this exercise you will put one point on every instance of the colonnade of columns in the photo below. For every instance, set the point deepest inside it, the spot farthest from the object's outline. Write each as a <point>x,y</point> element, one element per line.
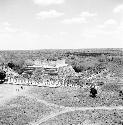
<point>24,81</point>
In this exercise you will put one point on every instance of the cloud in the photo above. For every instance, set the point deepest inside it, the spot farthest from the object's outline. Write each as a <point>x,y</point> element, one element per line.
<point>103,38</point>
<point>110,30</point>
<point>10,29</point>
<point>7,27</point>
<point>63,33</point>
<point>110,23</point>
<point>48,2</point>
<point>87,14</point>
<point>110,26</point>
<point>6,24</point>
<point>19,40</point>
<point>121,26</point>
<point>82,18</point>
<point>74,20</point>
<point>118,9</point>
<point>49,14</point>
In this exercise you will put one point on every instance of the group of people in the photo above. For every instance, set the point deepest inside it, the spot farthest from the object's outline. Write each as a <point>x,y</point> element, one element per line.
<point>20,88</point>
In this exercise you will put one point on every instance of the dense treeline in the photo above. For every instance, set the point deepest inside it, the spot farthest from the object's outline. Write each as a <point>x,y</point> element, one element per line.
<point>85,54</point>
<point>80,60</point>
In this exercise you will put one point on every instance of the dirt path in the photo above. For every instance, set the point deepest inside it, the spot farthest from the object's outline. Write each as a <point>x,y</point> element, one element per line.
<point>10,91</point>
<point>69,109</point>
<point>44,102</point>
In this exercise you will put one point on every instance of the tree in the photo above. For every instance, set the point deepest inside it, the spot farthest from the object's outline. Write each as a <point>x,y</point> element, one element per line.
<point>11,65</point>
<point>93,92</point>
<point>16,67</point>
<point>78,68</point>
<point>2,76</point>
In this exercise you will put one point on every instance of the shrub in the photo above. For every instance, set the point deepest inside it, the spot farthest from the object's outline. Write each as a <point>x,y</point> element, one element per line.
<point>78,68</point>
<point>19,69</point>
<point>11,65</point>
<point>2,76</point>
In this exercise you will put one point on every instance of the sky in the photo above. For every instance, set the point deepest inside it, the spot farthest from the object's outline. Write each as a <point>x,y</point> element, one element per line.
<point>60,24</point>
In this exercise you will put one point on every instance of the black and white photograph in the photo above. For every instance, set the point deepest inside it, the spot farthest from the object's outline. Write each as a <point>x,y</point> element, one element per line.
<point>61,62</point>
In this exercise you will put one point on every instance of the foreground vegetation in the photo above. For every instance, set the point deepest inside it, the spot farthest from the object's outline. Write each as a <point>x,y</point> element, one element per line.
<point>88,117</point>
<point>72,97</point>
<point>23,110</point>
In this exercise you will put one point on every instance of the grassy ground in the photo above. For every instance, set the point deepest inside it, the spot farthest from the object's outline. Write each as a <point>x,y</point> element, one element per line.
<point>93,117</point>
<point>72,97</point>
<point>18,108</point>
<point>22,110</point>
